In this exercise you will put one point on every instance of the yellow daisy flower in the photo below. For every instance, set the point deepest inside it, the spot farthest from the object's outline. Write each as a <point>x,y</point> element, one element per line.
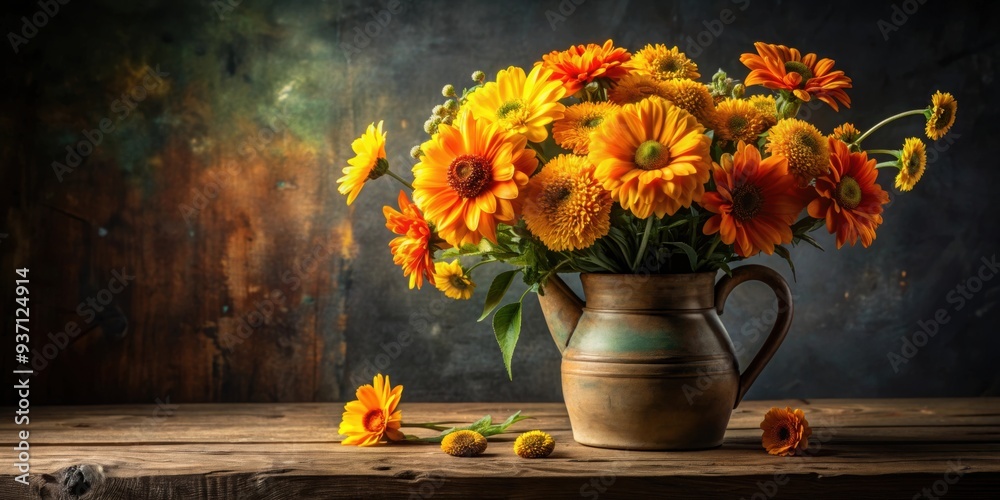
<point>520,103</point>
<point>572,131</point>
<point>451,279</point>
<point>368,163</point>
<point>767,106</point>
<point>534,444</point>
<point>912,163</point>
<point>373,415</point>
<point>806,149</point>
<point>846,132</point>
<point>694,98</point>
<point>464,443</point>
<point>566,207</point>
<point>942,115</point>
<point>738,120</point>
<point>634,88</point>
<point>663,64</point>
<point>653,156</point>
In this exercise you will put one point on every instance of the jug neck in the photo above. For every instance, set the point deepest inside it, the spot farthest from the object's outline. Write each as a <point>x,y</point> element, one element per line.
<point>652,292</point>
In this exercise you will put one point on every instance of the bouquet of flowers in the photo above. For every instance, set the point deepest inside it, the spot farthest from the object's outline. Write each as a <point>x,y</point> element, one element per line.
<point>598,160</point>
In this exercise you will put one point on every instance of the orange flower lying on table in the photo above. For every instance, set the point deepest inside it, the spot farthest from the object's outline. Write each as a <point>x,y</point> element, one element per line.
<point>598,160</point>
<point>786,432</point>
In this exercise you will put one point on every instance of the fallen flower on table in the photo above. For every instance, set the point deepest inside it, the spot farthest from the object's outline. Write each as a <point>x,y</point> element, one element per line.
<point>786,432</point>
<point>464,444</point>
<point>534,444</point>
<point>373,416</point>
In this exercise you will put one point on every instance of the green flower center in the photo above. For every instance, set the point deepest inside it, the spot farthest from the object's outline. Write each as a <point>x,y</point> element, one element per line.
<point>801,69</point>
<point>458,281</point>
<point>511,106</point>
<point>737,124</point>
<point>651,155</point>
<point>808,141</point>
<point>747,202</point>
<point>593,121</point>
<point>848,193</point>
<point>669,65</point>
<point>469,175</point>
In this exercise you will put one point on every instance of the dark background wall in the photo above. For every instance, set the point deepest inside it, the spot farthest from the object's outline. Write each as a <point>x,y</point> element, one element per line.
<point>254,282</point>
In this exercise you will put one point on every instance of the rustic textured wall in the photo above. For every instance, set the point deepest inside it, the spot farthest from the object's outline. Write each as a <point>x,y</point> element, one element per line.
<point>214,186</point>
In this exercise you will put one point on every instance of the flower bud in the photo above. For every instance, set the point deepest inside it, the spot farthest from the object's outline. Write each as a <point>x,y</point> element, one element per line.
<point>448,90</point>
<point>592,87</point>
<point>415,152</point>
<point>438,110</point>
<point>451,105</point>
<point>739,90</point>
<point>478,76</point>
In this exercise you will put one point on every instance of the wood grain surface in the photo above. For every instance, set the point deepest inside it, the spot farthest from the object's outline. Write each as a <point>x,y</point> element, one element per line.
<point>861,448</point>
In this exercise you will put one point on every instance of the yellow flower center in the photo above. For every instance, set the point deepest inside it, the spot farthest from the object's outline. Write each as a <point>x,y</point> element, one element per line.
<point>458,281</point>
<point>747,202</point>
<point>469,175</point>
<point>848,193</point>
<point>669,64</point>
<point>801,69</point>
<point>374,420</point>
<point>464,443</point>
<point>651,155</point>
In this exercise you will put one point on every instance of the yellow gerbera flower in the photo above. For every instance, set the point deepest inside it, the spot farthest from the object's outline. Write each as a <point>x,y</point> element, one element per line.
<point>373,415</point>
<point>846,132</point>
<point>572,131</point>
<point>942,115</point>
<point>912,163</point>
<point>634,88</point>
<point>738,120</point>
<point>452,280</point>
<point>469,179</point>
<point>805,148</point>
<point>694,98</point>
<point>565,206</point>
<point>519,103</point>
<point>653,156</point>
<point>464,443</point>
<point>767,106</point>
<point>663,64</point>
<point>368,163</point>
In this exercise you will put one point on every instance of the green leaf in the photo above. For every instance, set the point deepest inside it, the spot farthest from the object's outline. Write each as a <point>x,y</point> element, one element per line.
<point>783,252</point>
<point>692,255</point>
<point>484,426</point>
<point>507,327</point>
<point>498,289</point>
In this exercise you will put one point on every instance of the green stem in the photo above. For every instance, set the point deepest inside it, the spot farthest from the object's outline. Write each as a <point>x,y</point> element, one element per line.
<point>400,179</point>
<point>884,152</point>
<point>879,125</point>
<point>434,426</point>
<point>887,164</point>
<point>711,249</point>
<point>538,152</point>
<point>642,245</point>
<point>477,264</point>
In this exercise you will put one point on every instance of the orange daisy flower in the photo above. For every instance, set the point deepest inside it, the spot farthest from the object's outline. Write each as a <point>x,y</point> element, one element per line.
<point>848,196</point>
<point>653,156</point>
<point>373,415</point>
<point>572,131</point>
<point>469,179</point>
<point>663,64</point>
<point>786,432</point>
<point>413,249</point>
<point>780,68</point>
<point>579,65</point>
<point>756,201</point>
<point>634,88</point>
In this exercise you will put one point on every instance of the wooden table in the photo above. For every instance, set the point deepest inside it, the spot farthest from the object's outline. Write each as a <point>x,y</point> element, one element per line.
<point>901,448</point>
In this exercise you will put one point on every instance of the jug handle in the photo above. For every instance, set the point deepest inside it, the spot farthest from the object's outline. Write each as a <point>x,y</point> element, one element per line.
<point>779,286</point>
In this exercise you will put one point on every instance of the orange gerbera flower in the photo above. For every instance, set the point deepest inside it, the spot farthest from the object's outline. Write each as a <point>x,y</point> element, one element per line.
<point>756,201</point>
<point>786,432</point>
<point>373,415</point>
<point>634,88</point>
<point>368,163</point>
<point>579,65</point>
<point>848,196</point>
<point>780,68</point>
<point>413,249</point>
<point>566,206</point>
<point>573,130</point>
<point>653,156</point>
<point>469,179</point>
